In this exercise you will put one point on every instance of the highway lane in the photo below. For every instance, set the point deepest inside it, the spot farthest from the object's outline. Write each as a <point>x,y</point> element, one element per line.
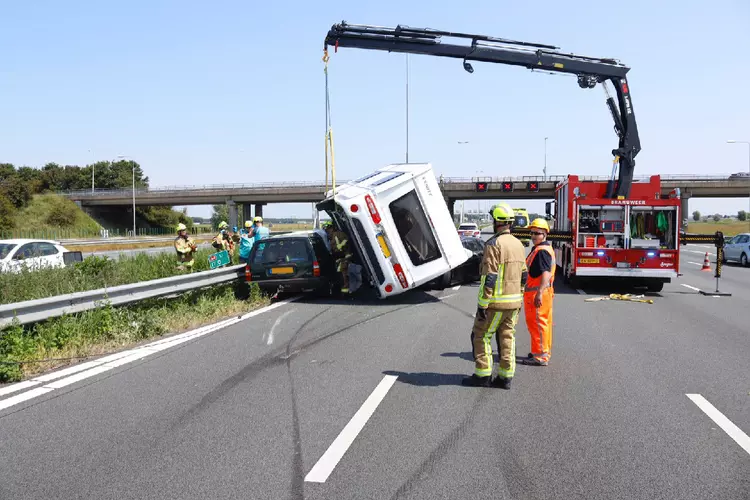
<point>247,411</point>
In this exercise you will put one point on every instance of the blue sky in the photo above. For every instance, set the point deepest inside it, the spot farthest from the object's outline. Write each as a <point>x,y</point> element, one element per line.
<point>232,91</point>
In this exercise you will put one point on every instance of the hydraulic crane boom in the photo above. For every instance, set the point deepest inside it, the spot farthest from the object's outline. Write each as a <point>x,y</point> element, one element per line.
<point>590,71</point>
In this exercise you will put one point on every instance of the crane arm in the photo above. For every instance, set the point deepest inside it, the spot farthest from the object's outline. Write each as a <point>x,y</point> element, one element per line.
<point>589,70</point>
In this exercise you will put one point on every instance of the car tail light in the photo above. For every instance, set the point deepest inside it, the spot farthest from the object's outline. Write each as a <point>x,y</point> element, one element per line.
<point>248,273</point>
<point>373,209</point>
<point>388,288</point>
<point>316,269</point>
<point>400,275</point>
<point>354,208</point>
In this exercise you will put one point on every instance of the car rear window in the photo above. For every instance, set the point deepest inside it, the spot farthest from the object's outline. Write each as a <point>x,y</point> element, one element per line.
<point>274,251</point>
<point>414,229</point>
<point>467,226</point>
<point>5,249</point>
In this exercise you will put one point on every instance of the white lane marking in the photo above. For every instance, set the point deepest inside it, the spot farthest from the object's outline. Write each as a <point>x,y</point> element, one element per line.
<point>91,368</point>
<point>269,337</point>
<point>77,377</point>
<point>699,252</point>
<point>580,291</point>
<point>690,287</point>
<point>727,425</point>
<point>696,263</point>
<point>17,387</point>
<point>456,287</point>
<point>24,396</point>
<point>325,465</point>
<point>447,296</point>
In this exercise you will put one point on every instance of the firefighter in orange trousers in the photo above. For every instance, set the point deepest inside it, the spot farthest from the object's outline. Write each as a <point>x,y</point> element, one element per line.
<point>539,295</point>
<point>499,302</point>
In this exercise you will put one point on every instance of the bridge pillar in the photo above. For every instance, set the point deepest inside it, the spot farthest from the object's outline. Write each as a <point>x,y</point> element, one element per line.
<point>684,211</point>
<point>259,209</point>
<point>451,205</point>
<point>232,209</point>
<point>247,212</point>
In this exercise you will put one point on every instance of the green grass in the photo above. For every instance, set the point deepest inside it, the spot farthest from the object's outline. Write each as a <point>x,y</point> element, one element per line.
<point>53,217</point>
<point>93,273</point>
<point>27,351</point>
<point>729,227</point>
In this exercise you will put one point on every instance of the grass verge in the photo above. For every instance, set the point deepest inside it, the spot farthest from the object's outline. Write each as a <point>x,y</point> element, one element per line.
<point>114,247</point>
<point>30,350</point>
<point>729,228</point>
<point>93,273</point>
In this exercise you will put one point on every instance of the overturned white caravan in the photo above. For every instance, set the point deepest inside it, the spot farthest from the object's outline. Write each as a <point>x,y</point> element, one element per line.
<point>400,226</point>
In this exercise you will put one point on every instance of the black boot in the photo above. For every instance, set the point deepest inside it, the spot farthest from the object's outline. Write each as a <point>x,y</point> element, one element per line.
<point>502,383</point>
<point>475,381</point>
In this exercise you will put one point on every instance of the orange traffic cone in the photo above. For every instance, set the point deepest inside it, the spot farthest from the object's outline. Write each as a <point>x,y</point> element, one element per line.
<point>706,264</point>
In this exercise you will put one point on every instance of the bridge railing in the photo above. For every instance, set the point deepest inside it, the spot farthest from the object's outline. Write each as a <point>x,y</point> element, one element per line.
<point>165,190</point>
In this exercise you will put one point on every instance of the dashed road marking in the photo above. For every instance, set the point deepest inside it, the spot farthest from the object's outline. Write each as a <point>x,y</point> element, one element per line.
<point>722,421</point>
<point>690,287</point>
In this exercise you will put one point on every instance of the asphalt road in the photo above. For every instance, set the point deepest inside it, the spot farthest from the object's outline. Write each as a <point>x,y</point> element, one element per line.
<point>248,411</point>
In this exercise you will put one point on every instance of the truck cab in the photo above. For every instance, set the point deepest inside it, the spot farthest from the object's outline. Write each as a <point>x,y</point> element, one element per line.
<point>400,227</point>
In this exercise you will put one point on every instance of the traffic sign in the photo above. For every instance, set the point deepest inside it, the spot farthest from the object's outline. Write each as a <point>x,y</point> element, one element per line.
<point>482,187</point>
<point>532,186</point>
<point>218,259</point>
<point>507,187</point>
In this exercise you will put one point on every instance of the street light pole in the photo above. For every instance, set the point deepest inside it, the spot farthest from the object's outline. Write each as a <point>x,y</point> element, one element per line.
<point>545,159</point>
<point>92,174</point>
<point>732,141</point>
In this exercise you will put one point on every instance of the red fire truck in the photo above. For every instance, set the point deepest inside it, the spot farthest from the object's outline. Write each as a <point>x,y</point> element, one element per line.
<point>634,238</point>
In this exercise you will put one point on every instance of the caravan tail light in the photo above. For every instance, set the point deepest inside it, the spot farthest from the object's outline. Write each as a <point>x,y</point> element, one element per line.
<point>354,208</point>
<point>400,275</point>
<point>316,269</point>
<point>373,209</point>
<point>248,273</point>
<point>388,288</point>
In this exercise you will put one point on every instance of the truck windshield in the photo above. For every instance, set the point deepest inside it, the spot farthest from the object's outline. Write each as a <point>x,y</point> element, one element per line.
<point>414,229</point>
<point>521,221</point>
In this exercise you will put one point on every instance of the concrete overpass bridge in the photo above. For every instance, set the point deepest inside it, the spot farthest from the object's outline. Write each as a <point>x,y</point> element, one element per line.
<point>260,194</point>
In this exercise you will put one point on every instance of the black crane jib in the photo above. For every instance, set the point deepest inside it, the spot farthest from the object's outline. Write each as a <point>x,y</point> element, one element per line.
<point>535,56</point>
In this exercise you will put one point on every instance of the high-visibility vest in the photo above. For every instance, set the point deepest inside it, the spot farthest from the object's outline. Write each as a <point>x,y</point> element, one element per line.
<point>533,284</point>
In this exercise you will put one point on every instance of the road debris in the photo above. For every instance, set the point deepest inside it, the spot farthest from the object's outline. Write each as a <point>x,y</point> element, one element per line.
<point>626,296</point>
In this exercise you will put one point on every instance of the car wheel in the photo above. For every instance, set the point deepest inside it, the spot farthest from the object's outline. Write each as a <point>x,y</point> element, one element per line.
<point>743,259</point>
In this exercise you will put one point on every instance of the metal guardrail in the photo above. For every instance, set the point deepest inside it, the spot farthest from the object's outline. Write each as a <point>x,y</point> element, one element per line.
<point>31,311</point>
<point>321,184</point>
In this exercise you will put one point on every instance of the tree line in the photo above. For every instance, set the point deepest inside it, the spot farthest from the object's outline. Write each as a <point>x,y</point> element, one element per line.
<point>19,184</point>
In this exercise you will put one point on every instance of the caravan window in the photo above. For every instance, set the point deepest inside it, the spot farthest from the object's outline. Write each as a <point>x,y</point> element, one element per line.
<point>414,229</point>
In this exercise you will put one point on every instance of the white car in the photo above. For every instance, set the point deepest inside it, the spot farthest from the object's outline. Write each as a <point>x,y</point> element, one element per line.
<point>31,254</point>
<point>738,249</point>
<point>469,229</point>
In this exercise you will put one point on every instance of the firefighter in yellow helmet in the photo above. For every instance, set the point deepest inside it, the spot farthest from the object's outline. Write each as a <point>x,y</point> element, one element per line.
<point>341,252</point>
<point>538,294</point>
<point>500,300</point>
<point>185,247</point>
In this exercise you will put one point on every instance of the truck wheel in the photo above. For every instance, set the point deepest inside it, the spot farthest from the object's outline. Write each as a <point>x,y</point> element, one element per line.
<point>445,280</point>
<point>655,286</point>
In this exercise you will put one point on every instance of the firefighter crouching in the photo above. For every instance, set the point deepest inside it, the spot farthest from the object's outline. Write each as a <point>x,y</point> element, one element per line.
<point>185,247</point>
<point>224,240</point>
<point>342,253</point>
<point>500,300</point>
<point>539,294</point>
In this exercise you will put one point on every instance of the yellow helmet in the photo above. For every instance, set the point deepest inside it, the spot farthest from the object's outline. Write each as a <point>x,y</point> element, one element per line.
<point>539,224</point>
<point>502,213</point>
<point>181,227</point>
<point>258,219</point>
<point>248,223</point>
<point>223,224</point>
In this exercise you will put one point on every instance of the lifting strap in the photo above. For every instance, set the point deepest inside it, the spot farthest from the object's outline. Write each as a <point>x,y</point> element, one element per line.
<point>329,131</point>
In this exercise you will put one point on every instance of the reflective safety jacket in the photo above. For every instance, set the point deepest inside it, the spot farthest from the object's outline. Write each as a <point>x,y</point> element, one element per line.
<point>501,271</point>
<point>534,282</point>
<point>185,248</point>
<point>340,245</point>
